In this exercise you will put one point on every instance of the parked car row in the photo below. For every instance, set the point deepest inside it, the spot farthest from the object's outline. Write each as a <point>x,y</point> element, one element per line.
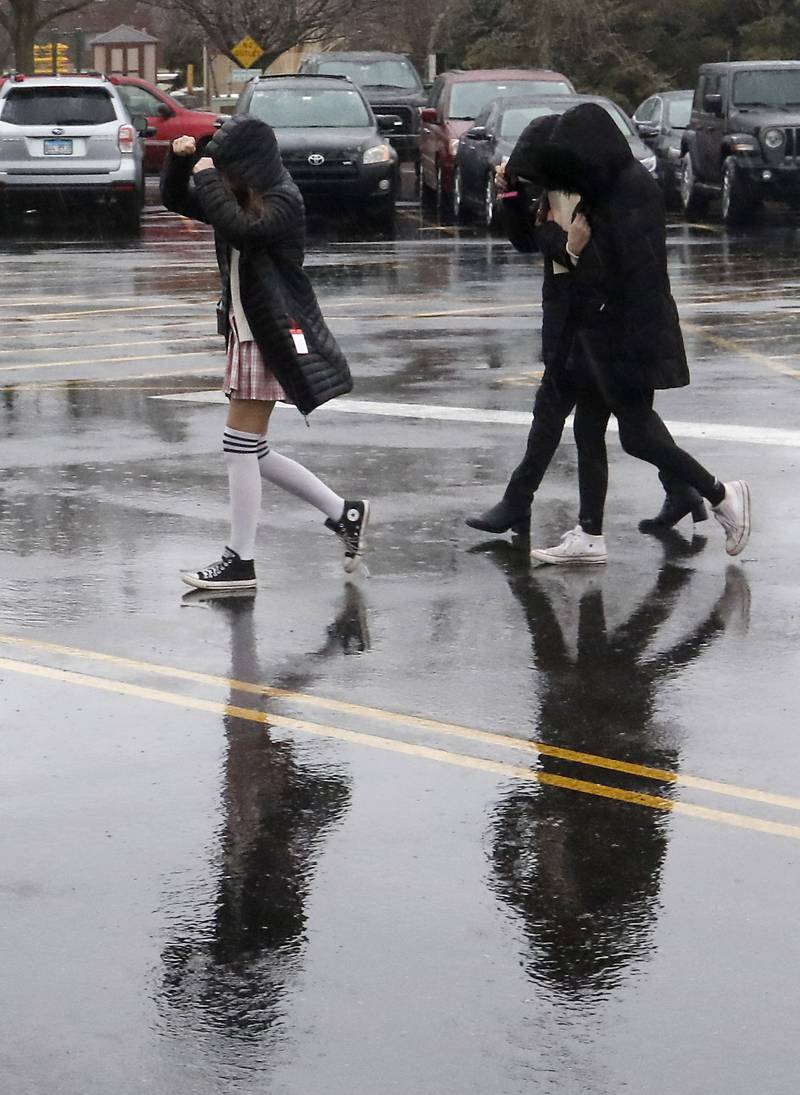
<point>346,121</point>
<point>489,142</point>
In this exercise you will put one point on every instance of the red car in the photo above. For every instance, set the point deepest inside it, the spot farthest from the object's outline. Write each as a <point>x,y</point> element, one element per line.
<point>456,99</point>
<point>165,115</point>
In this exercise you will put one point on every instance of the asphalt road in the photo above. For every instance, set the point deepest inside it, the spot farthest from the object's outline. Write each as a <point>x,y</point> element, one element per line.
<point>455,827</point>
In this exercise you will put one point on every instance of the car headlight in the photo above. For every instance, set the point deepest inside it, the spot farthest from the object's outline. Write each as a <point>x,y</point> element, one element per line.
<point>454,146</point>
<point>773,138</point>
<point>379,153</point>
<point>650,163</point>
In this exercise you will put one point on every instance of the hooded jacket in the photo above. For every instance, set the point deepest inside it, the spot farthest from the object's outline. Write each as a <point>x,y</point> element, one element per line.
<point>549,239</point>
<point>624,324</point>
<point>276,292</point>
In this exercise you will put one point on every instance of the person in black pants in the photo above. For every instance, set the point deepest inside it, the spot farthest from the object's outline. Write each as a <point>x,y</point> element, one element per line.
<point>558,395</point>
<point>623,337</point>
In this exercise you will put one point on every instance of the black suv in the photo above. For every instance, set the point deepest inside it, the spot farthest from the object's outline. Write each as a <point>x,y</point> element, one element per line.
<point>391,85</point>
<point>743,139</point>
<point>329,139</point>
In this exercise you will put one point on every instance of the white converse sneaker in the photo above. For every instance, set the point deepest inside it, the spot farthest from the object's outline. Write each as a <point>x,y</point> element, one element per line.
<point>733,513</point>
<point>576,546</point>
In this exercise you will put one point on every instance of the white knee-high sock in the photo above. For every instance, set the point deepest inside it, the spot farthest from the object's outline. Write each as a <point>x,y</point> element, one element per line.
<point>297,480</point>
<point>244,480</point>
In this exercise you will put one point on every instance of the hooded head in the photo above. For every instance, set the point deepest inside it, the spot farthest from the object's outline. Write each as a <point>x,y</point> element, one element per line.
<point>246,150</point>
<point>523,163</point>
<point>585,153</point>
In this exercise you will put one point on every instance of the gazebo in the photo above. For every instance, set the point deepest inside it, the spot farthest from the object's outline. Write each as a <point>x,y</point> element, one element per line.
<point>125,51</point>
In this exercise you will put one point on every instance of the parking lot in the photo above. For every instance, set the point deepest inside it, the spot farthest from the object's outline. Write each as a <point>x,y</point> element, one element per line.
<point>453,827</point>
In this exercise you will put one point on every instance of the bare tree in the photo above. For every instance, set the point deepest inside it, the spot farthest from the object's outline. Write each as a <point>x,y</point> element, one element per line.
<point>23,19</point>
<point>277,25</point>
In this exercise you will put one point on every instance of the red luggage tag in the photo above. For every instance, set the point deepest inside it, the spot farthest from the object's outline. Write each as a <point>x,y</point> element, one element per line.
<point>299,339</point>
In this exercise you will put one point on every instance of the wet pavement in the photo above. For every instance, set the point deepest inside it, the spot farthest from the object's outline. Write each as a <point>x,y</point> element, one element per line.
<point>458,826</point>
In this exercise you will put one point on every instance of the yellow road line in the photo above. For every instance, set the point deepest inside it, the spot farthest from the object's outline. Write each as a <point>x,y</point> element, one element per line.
<point>167,355</point>
<point>176,304</point>
<point>433,725</point>
<point>102,383</point>
<point>178,336</point>
<point>425,752</point>
<point>736,347</point>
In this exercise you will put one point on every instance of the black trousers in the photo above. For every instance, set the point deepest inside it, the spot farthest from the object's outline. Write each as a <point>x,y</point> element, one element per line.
<point>553,403</point>
<point>642,434</point>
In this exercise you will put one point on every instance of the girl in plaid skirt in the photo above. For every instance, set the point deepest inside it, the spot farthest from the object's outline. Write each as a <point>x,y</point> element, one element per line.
<point>257,213</point>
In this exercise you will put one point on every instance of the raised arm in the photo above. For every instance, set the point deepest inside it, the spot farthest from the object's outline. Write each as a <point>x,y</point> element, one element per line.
<point>177,192</point>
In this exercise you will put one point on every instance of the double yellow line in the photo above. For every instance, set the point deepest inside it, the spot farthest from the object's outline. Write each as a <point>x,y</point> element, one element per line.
<point>403,747</point>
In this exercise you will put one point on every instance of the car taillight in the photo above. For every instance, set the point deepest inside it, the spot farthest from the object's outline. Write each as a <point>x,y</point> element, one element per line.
<point>126,139</point>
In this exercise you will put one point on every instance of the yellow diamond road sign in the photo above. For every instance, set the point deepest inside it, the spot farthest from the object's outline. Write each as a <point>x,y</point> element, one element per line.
<point>247,52</point>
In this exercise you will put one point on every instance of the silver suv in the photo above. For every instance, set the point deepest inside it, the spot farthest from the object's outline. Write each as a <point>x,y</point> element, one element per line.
<point>70,138</point>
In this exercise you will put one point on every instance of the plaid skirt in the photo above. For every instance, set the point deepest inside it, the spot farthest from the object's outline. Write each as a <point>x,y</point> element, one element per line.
<point>246,374</point>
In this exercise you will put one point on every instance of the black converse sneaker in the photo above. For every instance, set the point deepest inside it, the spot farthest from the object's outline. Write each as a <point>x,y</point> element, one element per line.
<point>229,572</point>
<point>351,528</point>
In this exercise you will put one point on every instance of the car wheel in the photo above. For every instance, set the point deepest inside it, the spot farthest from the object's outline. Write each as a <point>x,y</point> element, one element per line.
<point>693,202</point>
<point>736,203</point>
<point>128,213</point>
<point>459,212</point>
<point>427,196</point>
<point>444,203</point>
<point>489,203</point>
<point>383,214</point>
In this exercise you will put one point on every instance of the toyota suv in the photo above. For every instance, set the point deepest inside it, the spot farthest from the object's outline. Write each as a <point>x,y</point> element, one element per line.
<point>391,85</point>
<point>743,139</point>
<point>330,141</point>
<point>70,139</point>
<point>456,99</point>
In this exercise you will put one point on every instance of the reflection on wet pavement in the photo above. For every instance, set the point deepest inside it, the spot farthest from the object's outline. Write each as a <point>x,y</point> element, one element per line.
<point>461,827</point>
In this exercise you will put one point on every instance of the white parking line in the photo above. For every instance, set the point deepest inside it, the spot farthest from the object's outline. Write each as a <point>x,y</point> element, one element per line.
<point>708,431</point>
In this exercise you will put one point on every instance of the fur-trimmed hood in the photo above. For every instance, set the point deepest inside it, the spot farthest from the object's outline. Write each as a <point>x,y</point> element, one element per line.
<point>247,151</point>
<point>585,153</point>
<point>523,163</point>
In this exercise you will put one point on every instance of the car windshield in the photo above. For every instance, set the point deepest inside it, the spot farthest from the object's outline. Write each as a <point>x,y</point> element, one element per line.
<point>515,119</point>
<point>679,113</point>
<point>468,98</point>
<point>310,108</point>
<point>767,88</point>
<point>386,73</point>
<point>58,106</point>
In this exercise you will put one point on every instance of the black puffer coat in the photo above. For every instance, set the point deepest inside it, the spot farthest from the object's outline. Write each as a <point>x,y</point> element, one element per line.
<point>549,239</point>
<point>275,288</point>
<point>624,323</point>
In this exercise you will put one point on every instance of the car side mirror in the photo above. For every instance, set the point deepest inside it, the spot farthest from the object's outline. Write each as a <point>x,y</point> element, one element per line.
<point>164,111</point>
<point>478,133</point>
<point>647,130</point>
<point>712,104</point>
<point>139,123</point>
<point>388,122</point>
<point>430,115</point>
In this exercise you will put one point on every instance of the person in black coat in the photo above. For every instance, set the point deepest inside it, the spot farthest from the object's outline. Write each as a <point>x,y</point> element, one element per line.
<point>623,338</point>
<point>278,345</point>
<point>531,226</point>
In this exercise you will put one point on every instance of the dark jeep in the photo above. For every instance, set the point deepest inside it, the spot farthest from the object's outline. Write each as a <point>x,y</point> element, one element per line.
<point>391,86</point>
<point>743,140</point>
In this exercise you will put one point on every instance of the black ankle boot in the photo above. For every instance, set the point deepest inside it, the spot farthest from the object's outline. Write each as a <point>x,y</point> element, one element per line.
<point>502,517</point>
<point>676,506</point>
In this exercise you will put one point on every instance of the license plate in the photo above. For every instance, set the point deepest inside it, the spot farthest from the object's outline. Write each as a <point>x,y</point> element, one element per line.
<point>58,146</point>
